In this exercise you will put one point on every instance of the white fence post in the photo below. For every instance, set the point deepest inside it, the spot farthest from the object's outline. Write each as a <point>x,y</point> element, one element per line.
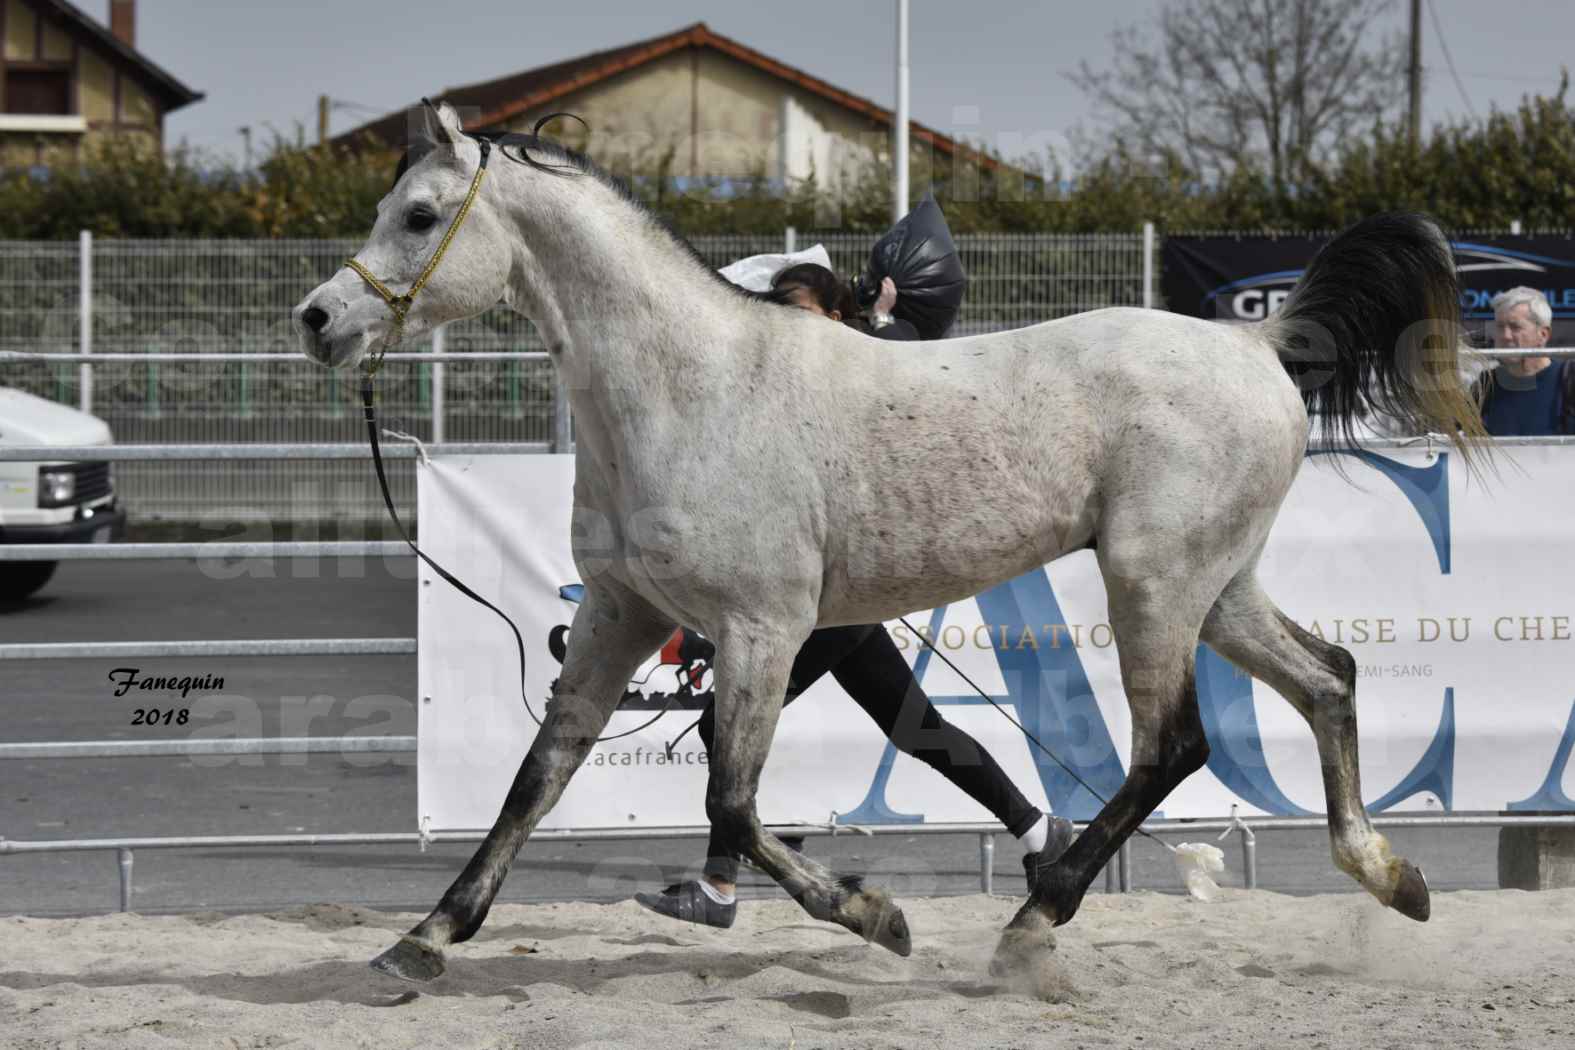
<point>85,317</point>
<point>439,338</point>
<point>1148,266</point>
<point>790,240</point>
<point>562,425</point>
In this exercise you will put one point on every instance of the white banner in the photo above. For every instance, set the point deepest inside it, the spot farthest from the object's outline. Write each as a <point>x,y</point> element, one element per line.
<point>1456,598</point>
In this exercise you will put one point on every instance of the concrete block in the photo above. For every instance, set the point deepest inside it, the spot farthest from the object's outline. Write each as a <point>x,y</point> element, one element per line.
<point>1536,858</point>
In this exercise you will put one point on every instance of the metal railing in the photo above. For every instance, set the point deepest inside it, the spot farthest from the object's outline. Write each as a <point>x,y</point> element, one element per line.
<point>190,344</point>
<point>243,647</point>
<point>345,745</point>
<point>270,396</point>
<point>1119,874</point>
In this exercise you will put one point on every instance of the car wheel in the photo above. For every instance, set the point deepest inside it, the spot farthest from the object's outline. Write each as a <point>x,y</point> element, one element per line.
<point>18,579</point>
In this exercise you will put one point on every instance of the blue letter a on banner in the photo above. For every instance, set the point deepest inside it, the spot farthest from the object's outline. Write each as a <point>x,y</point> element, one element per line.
<point>1054,699</point>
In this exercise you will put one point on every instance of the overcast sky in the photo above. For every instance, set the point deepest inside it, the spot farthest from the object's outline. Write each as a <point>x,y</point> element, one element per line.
<point>1001,64</point>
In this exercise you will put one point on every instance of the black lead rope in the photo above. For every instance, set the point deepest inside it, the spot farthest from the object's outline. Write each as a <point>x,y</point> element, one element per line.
<point>369,410</point>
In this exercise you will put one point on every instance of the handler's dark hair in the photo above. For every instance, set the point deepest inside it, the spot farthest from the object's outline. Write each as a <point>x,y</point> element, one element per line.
<point>830,292</point>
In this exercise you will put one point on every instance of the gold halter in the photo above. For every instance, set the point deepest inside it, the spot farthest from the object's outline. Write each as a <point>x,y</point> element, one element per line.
<point>399,305</point>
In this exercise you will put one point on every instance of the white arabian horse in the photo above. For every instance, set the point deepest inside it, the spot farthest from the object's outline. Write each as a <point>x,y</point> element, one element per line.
<point>753,471</point>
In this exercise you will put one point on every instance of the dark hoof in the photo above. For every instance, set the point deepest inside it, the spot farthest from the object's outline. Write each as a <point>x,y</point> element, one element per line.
<point>1411,897</point>
<point>887,926</point>
<point>874,916</point>
<point>892,931</point>
<point>410,960</point>
<point>1024,944</point>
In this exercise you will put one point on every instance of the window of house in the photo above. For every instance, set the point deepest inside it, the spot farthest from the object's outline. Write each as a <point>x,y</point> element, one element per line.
<point>38,91</point>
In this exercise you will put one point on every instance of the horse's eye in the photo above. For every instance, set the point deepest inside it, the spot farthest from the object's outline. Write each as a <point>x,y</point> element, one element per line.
<point>420,221</point>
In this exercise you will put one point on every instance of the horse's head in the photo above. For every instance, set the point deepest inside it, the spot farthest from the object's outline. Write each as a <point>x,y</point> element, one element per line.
<point>405,281</point>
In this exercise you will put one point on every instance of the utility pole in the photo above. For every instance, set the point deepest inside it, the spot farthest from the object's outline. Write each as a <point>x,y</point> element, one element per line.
<point>246,137</point>
<point>900,146</point>
<point>1415,77</point>
<point>323,106</point>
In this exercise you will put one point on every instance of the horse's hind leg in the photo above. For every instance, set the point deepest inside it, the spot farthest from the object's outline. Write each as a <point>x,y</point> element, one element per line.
<point>752,666</point>
<point>1156,626</point>
<point>611,635</point>
<point>1319,680</point>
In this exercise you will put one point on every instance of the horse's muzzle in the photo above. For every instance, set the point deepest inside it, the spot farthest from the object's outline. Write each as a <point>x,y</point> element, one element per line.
<point>321,342</point>
<point>317,348</point>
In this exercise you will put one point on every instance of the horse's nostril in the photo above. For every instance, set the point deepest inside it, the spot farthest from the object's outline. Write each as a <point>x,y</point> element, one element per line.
<point>315,319</point>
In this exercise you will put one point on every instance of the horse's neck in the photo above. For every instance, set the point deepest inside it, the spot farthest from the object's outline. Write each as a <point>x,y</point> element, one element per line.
<point>619,302</point>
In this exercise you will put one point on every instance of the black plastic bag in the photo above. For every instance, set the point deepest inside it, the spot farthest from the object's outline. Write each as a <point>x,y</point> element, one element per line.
<point>919,256</point>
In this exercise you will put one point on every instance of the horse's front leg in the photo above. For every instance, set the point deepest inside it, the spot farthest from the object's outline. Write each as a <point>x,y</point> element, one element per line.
<point>752,666</point>
<point>611,634</point>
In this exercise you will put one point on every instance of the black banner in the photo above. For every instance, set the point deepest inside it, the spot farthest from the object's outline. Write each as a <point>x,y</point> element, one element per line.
<point>1247,278</point>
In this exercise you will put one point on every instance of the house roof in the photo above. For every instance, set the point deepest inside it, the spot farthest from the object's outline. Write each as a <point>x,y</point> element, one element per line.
<point>174,93</point>
<point>507,97</point>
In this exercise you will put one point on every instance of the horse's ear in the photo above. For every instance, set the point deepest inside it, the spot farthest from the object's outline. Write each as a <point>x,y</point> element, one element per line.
<point>435,125</point>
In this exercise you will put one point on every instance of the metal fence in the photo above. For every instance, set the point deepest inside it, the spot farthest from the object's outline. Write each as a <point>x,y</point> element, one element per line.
<point>226,296</point>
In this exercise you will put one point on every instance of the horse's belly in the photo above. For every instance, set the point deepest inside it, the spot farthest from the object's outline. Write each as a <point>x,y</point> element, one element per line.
<point>889,571</point>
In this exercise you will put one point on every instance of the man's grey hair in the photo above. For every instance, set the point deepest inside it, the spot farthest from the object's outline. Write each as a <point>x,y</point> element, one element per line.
<point>1535,301</point>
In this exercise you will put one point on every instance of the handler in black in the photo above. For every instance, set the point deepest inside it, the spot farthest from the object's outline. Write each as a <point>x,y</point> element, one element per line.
<point>811,287</point>
<point>866,664</point>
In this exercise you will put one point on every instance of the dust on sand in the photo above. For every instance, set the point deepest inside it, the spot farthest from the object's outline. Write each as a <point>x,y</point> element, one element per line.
<point>1141,970</point>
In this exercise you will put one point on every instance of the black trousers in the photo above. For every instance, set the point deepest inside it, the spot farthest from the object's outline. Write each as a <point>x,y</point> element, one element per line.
<point>866,664</point>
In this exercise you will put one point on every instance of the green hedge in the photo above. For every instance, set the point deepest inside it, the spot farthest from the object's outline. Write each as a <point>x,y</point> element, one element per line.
<point>1516,165</point>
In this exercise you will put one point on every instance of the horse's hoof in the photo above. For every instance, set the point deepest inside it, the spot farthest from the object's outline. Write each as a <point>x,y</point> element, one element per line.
<point>1411,897</point>
<point>883,923</point>
<point>410,960</point>
<point>891,930</point>
<point>1024,943</point>
<point>874,916</point>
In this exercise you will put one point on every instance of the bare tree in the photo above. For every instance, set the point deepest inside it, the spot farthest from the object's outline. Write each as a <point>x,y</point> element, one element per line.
<point>1275,82</point>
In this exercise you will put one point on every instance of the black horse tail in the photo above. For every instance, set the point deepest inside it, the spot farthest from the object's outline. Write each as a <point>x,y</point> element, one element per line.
<point>1374,324</point>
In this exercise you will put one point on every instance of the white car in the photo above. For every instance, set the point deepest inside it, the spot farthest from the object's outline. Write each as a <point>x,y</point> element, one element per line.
<point>53,501</point>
